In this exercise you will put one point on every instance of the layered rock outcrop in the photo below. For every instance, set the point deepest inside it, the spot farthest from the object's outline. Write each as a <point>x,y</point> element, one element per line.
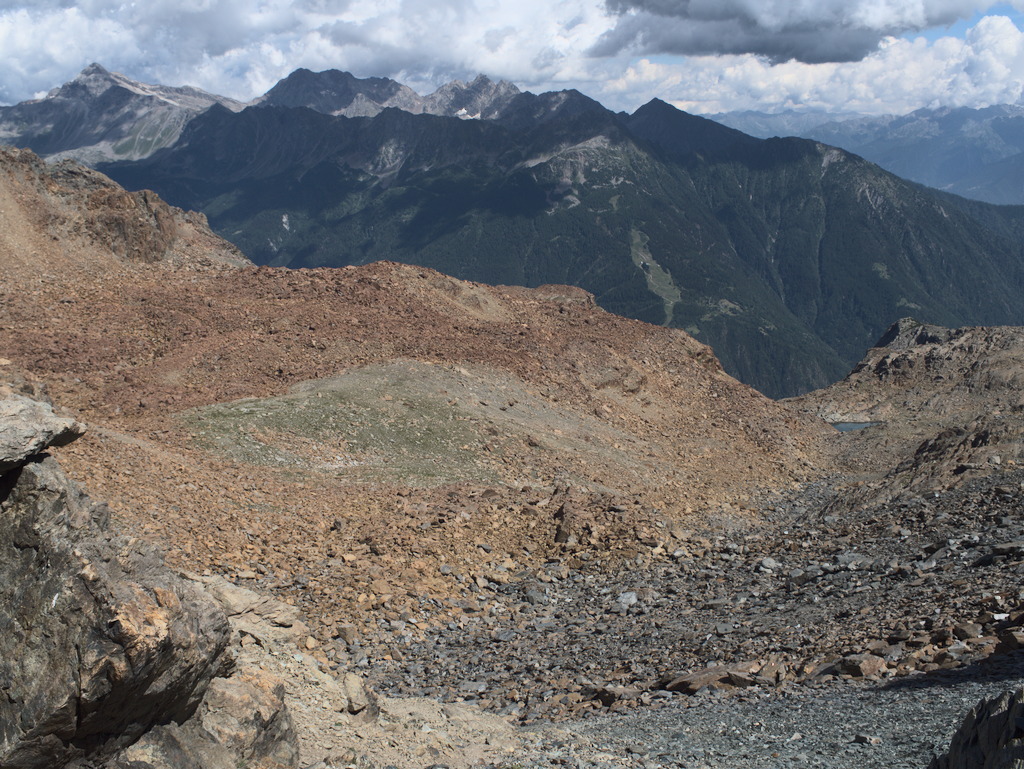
<point>101,644</point>
<point>991,736</point>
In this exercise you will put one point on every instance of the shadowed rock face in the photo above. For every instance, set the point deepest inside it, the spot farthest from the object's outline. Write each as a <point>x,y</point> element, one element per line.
<point>991,736</point>
<point>99,641</point>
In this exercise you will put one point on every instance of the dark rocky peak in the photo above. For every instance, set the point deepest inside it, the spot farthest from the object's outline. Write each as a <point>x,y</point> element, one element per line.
<point>259,141</point>
<point>681,133</point>
<point>529,111</point>
<point>557,120</point>
<point>907,332</point>
<point>334,92</point>
<point>481,98</point>
<point>220,146</point>
<point>395,139</point>
<point>338,93</point>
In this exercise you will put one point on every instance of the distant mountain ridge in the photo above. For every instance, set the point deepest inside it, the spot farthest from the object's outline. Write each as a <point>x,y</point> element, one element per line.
<point>976,153</point>
<point>340,93</point>
<point>101,115</point>
<point>788,256</point>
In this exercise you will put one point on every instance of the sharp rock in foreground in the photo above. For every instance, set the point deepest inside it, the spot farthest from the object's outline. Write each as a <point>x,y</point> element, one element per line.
<point>106,656</point>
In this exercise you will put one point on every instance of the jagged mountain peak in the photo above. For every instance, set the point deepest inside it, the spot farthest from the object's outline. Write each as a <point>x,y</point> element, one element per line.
<point>480,98</point>
<point>657,105</point>
<point>94,79</point>
<point>339,93</point>
<point>479,83</point>
<point>94,70</point>
<point>336,92</point>
<point>102,115</point>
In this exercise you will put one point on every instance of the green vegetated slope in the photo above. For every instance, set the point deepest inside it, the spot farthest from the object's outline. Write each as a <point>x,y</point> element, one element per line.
<point>790,258</point>
<point>408,422</point>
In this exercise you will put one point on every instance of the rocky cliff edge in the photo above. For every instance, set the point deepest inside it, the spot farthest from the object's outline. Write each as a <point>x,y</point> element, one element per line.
<point>107,658</point>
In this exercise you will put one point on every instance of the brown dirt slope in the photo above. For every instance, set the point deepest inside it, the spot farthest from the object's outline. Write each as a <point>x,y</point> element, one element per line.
<point>63,221</point>
<point>340,433</point>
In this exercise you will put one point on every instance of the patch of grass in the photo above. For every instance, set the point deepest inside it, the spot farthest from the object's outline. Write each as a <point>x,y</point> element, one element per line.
<point>375,424</point>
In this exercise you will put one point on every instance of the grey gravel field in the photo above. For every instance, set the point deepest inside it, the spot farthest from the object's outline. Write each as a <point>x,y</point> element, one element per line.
<point>837,724</point>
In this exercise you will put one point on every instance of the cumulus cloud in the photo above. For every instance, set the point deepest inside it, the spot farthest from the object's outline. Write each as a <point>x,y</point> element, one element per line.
<point>738,53</point>
<point>780,30</point>
<point>987,67</point>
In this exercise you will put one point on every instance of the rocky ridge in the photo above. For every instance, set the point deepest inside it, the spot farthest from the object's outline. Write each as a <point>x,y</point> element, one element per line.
<point>101,116</point>
<point>945,405</point>
<point>64,219</point>
<point>341,93</point>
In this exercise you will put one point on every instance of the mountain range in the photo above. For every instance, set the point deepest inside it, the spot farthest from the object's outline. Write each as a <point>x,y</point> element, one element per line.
<point>789,257</point>
<point>101,116</point>
<point>977,153</point>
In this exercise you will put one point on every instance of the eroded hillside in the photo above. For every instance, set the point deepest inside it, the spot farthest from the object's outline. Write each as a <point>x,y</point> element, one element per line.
<point>352,430</point>
<point>507,495</point>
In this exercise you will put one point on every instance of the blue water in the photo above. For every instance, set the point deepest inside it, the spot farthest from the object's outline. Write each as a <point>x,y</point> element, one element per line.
<point>847,427</point>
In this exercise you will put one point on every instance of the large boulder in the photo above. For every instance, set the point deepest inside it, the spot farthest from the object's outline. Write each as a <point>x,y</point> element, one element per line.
<point>100,643</point>
<point>242,721</point>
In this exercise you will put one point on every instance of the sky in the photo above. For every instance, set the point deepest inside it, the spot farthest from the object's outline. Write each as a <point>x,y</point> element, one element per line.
<point>704,56</point>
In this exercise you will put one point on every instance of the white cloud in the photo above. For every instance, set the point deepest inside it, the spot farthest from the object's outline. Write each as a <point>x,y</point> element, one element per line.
<point>241,48</point>
<point>39,50</point>
<point>985,68</point>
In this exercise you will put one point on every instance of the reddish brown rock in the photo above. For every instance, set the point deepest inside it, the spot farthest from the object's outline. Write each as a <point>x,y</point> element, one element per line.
<point>862,665</point>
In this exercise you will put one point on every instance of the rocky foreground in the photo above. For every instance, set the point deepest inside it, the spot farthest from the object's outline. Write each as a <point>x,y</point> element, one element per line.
<point>803,597</point>
<point>159,671</point>
<point>109,658</point>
